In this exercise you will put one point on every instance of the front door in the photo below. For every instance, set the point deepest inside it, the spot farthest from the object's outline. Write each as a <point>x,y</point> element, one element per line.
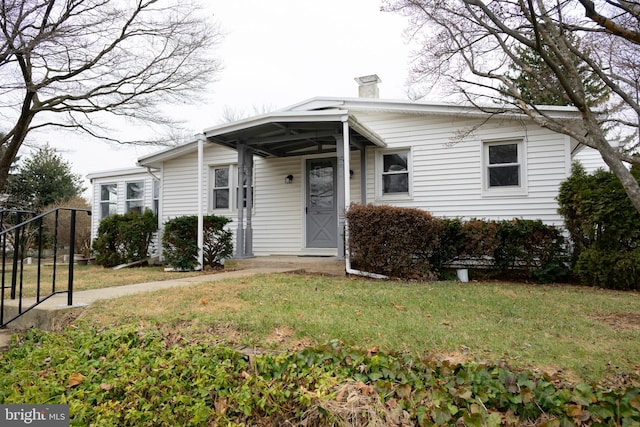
<point>321,212</point>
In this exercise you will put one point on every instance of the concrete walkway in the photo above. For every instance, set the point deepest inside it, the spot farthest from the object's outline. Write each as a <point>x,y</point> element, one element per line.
<point>55,310</point>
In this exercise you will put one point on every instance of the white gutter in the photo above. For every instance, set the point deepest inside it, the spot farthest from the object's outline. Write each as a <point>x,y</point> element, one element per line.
<point>347,201</point>
<point>201,139</point>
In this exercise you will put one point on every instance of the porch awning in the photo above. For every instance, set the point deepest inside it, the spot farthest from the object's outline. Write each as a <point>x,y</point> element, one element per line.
<point>285,134</point>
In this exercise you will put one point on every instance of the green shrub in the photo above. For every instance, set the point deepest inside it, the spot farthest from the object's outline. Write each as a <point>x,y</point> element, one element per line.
<point>124,238</point>
<point>609,269</point>
<point>536,250</point>
<point>603,225</point>
<point>396,242</point>
<point>180,241</point>
<point>452,239</point>
<point>410,243</point>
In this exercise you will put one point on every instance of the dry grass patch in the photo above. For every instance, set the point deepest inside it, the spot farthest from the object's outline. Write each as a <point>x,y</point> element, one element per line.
<point>629,321</point>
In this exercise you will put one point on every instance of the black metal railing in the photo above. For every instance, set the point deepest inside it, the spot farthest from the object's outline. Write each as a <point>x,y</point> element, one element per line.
<point>35,242</point>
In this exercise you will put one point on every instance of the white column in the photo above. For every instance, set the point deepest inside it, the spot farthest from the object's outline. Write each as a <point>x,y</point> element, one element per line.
<point>347,189</point>
<point>239,204</point>
<point>248,247</point>
<point>201,139</point>
<point>340,199</point>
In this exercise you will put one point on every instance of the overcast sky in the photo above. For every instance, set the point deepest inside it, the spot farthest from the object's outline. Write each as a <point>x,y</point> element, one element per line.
<point>277,53</point>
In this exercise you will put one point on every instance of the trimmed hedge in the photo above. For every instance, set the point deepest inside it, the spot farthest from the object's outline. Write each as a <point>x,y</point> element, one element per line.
<point>396,242</point>
<point>180,241</point>
<point>411,244</point>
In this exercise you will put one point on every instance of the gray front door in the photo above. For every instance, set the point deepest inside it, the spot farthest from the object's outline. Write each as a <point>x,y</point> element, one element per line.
<point>321,212</point>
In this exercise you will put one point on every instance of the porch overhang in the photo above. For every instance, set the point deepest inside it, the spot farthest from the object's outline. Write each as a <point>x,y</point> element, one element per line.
<point>296,133</point>
<point>333,132</point>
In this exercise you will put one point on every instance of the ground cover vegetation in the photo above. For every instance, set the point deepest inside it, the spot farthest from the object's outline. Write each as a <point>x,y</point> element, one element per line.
<point>355,351</point>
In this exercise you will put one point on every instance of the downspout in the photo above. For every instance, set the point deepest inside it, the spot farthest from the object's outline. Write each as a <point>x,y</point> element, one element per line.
<point>151,173</point>
<point>201,139</point>
<point>347,200</point>
<point>158,214</point>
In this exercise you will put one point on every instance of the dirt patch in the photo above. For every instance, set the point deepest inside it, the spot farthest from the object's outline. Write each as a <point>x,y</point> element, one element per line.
<point>356,404</point>
<point>284,337</point>
<point>619,320</point>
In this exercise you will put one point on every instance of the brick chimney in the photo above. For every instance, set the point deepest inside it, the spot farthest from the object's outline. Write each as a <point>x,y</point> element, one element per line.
<point>368,86</point>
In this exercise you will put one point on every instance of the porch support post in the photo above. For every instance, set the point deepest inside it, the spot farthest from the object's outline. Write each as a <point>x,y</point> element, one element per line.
<point>363,175</point>
<point>201,139</point>
<point>340,196</point>
<point>248,159</point>
<point>344,191</point>
<point>239,201</point>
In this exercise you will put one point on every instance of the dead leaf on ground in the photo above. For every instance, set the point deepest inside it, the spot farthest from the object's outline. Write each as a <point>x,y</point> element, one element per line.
<point>75,379</point>
<point>397,307</point>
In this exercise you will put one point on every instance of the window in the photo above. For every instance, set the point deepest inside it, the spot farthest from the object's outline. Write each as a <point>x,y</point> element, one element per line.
<point>504,165</point>
<point>156,196</point>
<point>134,201</point>
<point>108,200</point>
<point>395,173</point>
<point>220,199</point>
<point>222,180</point>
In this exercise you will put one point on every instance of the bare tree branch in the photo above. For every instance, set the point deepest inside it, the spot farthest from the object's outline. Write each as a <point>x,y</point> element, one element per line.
<point>471,45</point>
<point>72,64</point>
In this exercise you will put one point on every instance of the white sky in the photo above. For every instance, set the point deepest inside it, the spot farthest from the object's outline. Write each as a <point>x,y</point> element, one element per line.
<point>277,53</point>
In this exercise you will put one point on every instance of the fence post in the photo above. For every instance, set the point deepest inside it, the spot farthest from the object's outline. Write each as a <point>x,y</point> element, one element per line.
<point>16,246</point>
<point>72,250</point>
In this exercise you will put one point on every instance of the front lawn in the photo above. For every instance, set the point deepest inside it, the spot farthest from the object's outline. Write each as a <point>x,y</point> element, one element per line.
<point>587,333</point>
<point>290,349</point>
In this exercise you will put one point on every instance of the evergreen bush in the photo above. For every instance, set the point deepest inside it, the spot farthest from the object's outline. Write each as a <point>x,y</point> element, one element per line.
<point>604,228</point>
<point>180,241</point>
<point>124,238</point>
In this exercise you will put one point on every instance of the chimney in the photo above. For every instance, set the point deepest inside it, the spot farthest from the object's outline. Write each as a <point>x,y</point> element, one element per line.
<point>368,86</point>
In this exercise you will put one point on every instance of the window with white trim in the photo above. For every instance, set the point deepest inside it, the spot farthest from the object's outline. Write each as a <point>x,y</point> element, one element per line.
<point>134,200</point>
<point>222,179</point>
<point>108,200</point>
<point>394,173</point>
<point>221,183</point>
<point>504,165</point>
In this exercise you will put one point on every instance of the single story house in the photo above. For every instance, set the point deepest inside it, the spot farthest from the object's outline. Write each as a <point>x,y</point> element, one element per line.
<point>286,177</point>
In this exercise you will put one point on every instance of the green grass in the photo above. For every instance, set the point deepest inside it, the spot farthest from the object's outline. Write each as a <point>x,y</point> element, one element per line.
<point>587,333</point>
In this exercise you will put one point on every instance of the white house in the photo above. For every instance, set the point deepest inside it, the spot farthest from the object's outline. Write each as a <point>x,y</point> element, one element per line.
<point>121,191</point>
<point>301,166</point>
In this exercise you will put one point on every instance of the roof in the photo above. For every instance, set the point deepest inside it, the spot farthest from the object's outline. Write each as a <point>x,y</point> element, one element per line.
<point>116,172</point>
<point>311,126</point>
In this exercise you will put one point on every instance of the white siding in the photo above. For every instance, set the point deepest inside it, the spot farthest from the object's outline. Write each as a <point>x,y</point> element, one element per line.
<point>447,175</point>
<point>591,159</point>
<point>120,179</point>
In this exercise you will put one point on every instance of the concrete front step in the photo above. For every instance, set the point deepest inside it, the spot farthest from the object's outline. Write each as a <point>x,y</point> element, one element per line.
<point>310,264</point>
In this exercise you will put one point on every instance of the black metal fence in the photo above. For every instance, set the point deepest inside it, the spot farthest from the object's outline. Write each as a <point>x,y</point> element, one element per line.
<point>29,245</point>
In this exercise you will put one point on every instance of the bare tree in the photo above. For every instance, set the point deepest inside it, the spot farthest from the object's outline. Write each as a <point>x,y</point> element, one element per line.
<point>76,64</point>
<point>472,45</point>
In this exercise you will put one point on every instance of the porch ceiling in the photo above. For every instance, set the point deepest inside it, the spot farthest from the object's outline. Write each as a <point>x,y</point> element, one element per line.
<point>278,136</point>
